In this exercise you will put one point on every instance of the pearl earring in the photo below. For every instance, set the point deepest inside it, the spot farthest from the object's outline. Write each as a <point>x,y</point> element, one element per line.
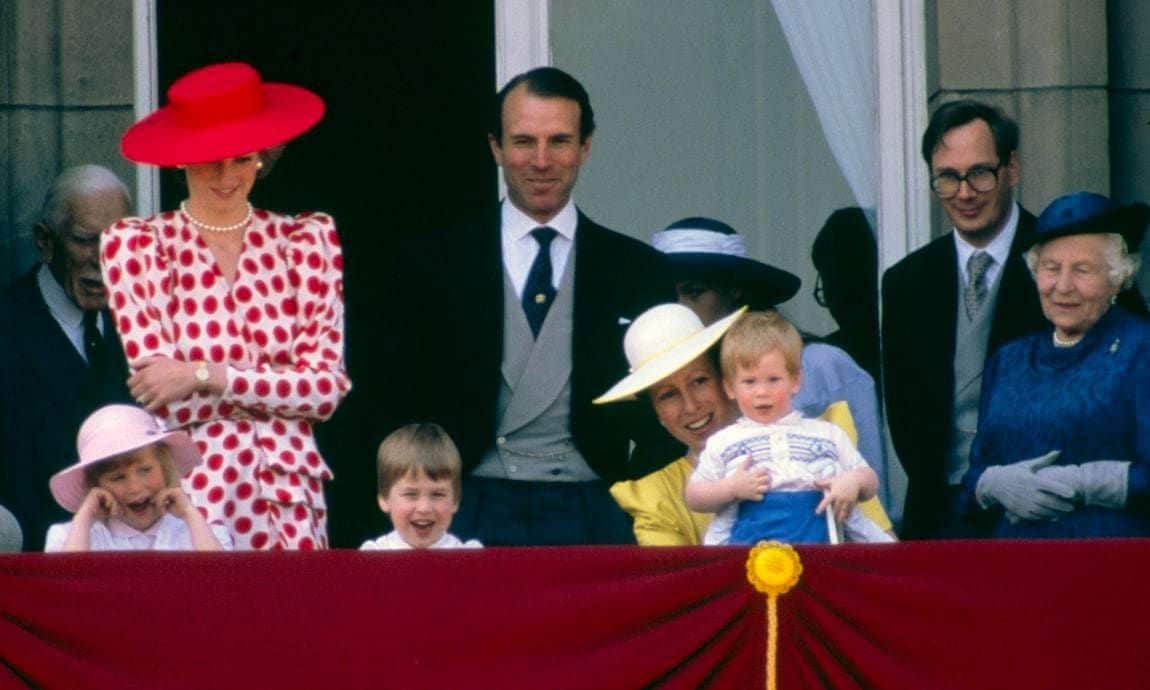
<point>259,165</point>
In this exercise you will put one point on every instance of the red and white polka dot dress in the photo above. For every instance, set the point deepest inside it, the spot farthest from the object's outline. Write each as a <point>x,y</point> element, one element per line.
<point>278,327</point>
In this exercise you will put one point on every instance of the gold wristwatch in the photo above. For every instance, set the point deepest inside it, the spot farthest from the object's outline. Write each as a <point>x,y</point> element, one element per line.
<point>202,375</point>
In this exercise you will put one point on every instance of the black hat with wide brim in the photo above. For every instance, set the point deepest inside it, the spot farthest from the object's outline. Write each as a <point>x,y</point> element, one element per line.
<point>710,251</point>
<point>1087,213</point>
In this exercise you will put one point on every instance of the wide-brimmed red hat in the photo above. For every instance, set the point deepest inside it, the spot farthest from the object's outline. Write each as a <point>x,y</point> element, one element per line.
<point>220,111</point>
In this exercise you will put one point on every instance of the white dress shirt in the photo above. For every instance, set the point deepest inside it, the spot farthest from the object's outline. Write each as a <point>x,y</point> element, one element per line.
<point>393,542</point>
<point>999,249</point>
<point>520,247</point>
<point>64,310</point>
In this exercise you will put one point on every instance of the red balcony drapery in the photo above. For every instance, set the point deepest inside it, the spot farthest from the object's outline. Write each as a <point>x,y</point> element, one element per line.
<point>917,615</point>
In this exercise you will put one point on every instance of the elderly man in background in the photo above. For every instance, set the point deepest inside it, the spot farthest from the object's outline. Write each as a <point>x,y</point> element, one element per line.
<point>62,358</point>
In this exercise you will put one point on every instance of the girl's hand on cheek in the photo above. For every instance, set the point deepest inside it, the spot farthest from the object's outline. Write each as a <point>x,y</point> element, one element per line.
<point>99,504</point>
<point>175,501</point>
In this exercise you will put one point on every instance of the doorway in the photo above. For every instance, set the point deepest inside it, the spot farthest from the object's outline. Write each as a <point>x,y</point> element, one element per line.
<point>401,147</point>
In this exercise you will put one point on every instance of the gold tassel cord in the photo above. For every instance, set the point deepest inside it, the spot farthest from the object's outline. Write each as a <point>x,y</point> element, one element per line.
<point>773,568</point>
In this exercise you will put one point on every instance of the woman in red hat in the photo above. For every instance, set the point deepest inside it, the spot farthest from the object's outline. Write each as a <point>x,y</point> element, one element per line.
<point>232,317</point>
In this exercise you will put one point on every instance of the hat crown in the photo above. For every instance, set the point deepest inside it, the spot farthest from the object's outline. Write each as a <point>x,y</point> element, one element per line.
<point>1072,208</point>
<point>657,330</point>
<point>216,94</point>
<point>115,429</point>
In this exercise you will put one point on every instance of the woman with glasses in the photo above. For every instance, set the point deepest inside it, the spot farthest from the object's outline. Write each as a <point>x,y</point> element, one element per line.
<point>714,276</point>
<point>1063,443</point>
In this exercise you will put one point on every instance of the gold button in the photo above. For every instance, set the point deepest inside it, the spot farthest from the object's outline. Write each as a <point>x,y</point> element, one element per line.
<point>540,298</point>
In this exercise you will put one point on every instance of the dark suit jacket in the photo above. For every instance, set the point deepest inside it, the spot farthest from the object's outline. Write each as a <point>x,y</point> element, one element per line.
<point>45,394</point>
<point>920,301</point>
<point>446,342</point>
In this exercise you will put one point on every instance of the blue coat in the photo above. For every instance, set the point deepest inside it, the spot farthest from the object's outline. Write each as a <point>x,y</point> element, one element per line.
<point>1091,401</point>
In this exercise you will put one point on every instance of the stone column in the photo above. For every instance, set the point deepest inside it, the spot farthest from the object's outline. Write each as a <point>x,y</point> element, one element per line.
<point>66,76</point>
<point>1044,62</point>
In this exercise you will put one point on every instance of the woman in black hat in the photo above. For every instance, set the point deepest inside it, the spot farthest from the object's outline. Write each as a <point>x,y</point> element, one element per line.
<point>715,276</point>
<point>1063,444</point>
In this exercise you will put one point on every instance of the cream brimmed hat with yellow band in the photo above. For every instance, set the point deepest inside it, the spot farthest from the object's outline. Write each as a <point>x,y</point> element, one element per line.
<point>661,341</point>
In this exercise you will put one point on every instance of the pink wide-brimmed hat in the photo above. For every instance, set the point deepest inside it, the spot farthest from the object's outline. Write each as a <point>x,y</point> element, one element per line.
<point>115,430</point>
<point>218,112</point>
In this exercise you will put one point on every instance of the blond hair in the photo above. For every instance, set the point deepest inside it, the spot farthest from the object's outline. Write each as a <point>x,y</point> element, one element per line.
<point>421,447</point>
<point>755,334</point>
<point>93,473</point>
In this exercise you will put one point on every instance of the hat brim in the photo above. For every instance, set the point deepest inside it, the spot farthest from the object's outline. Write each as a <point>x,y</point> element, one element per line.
<point>69,487</point>
<point>159,139</point>
<point>667,363</point>
<point>1128,221</point>
<point>770,285</point>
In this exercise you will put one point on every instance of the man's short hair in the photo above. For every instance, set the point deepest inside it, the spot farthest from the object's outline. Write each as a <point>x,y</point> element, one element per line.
<point>73,182</point>
<point>755,334</point>
<point>546,82</point>
<point>958,113</point>
<point>422,447</point>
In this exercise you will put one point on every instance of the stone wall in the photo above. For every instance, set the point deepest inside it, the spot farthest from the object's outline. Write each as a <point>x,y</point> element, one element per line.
<point>66,92</point>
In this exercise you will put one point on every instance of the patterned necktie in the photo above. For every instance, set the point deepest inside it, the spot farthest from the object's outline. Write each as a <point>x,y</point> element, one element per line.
<point>538,291</point>
<point>975,293</point>
<point>94,349</point>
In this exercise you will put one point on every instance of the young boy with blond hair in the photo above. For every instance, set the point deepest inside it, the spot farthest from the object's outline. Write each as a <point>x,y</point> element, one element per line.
<point>419,488</point>
<point>772,473</point>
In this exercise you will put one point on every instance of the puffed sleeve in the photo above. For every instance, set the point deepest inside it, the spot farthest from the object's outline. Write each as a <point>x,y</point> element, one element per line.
<point>313,380</point>
<point>137,257</point>
<point>652,513</point>
<point>135,270</point>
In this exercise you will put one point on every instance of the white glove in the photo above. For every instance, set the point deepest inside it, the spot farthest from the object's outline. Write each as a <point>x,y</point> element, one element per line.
<point>1099,483</point>
<point>1023,492</point>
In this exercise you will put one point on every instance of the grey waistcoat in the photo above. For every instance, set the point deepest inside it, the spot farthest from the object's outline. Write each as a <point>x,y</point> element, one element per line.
<point>970,342</point>
<point>533,431</point>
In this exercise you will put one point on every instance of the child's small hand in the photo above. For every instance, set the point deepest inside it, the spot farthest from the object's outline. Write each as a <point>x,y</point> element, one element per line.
<point>99,504</point>
<point>175,501</point>
<point>841,494</point>
<point>748,483</point>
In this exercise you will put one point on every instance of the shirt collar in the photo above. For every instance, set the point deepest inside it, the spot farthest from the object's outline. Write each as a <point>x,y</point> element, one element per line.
<point>62,308</point>
<point>999,247</point>
<point>517,224</point>
<point>122,530</point>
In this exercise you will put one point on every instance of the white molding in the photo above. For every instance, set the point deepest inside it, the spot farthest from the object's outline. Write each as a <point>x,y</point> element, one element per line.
<point>900,54</point>
<point>145,57</point>
<point>522,37</point>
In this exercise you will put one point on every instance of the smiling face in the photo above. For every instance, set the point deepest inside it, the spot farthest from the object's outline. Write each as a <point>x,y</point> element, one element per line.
<point>1073,283</point>
<point>763,391</point>
<point>691,405</point>
<point>72,251</point>
<point>219,191</point>
<point>977,216</point>
<point>134,482</point>
<point>420,508</point>
<point>540,151</point>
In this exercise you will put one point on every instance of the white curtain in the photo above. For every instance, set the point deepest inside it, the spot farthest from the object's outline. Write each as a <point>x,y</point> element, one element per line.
<point>832,42</point>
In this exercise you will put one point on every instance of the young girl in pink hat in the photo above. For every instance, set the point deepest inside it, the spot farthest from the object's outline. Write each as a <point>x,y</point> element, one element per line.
<point>125,489</point>
<point>232,317</point>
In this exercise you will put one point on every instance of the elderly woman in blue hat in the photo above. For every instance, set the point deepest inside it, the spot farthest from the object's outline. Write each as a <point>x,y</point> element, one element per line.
<point>1063,444</point>
<point>715,275</point>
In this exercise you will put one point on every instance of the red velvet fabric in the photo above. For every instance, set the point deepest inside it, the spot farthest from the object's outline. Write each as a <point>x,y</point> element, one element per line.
<point>919,615</point>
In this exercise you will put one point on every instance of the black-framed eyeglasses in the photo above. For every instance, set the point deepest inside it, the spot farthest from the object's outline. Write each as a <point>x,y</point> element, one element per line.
<point>981,178</point>
<point>820,294</point>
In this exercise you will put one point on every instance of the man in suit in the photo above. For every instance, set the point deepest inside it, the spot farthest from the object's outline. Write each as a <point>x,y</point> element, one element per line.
<point>515,323</point>
<point>949,305</point>
<point>62,358</point>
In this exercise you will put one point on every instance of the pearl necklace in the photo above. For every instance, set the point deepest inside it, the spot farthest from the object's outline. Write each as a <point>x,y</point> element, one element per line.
<point>1059,342</point>
<point>216,228</point>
